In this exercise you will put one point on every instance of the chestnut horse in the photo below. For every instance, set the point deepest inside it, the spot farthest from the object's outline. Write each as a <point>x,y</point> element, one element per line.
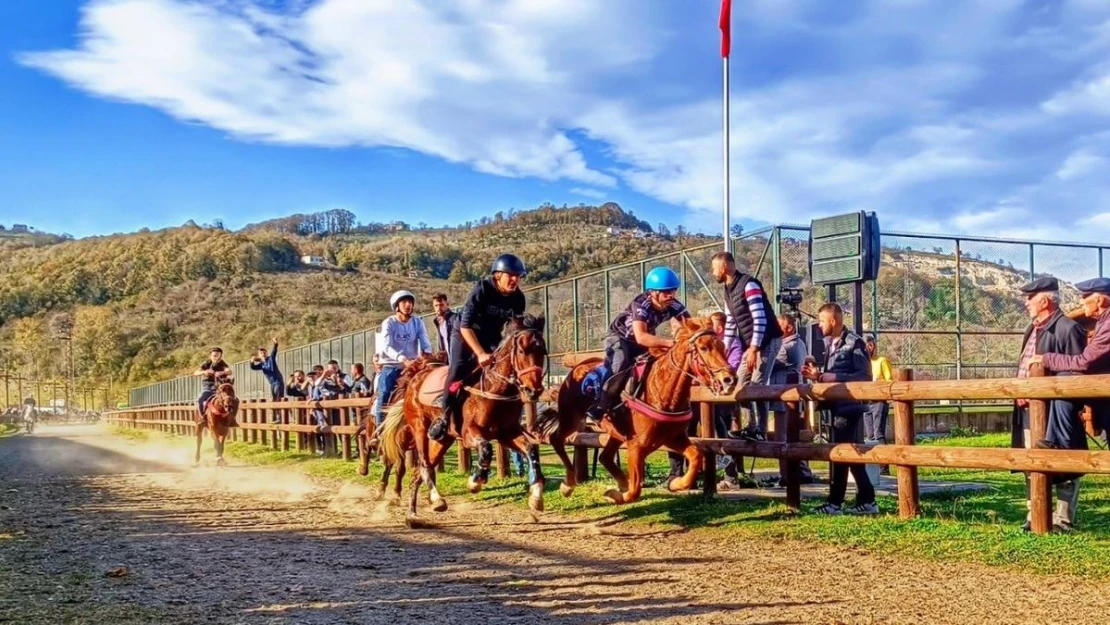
<point>219,413</point>
<point>658,417</point>
<point>369,440</point>
<point>491,412</point>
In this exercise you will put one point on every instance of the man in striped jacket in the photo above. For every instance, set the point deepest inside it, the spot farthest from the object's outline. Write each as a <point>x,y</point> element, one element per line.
<point>751,321</point>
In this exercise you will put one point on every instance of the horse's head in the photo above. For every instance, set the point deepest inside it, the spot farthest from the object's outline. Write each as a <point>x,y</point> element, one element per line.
<point>707,352</point>
<point>523,353</point>
<point>226,401</point>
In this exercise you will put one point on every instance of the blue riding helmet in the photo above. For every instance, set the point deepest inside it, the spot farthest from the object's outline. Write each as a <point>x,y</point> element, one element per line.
<point>661,279</point>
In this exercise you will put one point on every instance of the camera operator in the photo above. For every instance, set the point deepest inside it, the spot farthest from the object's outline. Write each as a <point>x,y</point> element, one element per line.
<point>846,360</point>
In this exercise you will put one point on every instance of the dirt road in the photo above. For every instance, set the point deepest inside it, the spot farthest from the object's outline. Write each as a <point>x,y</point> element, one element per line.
<point>98,529</point>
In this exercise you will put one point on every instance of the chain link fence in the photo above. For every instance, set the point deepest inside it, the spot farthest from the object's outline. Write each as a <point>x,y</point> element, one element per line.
<point>947,307</point>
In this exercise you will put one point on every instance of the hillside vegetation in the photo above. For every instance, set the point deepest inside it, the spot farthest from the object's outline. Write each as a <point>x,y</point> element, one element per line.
<point>144,306</point>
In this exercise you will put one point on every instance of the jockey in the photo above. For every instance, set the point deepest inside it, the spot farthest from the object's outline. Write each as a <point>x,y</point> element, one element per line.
<point>493,302</point>
<point>213,372</point>
<point>632,332</point>
<point>404,338</point>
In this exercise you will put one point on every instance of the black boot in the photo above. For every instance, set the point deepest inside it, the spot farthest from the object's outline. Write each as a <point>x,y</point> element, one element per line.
<point>438,430</point>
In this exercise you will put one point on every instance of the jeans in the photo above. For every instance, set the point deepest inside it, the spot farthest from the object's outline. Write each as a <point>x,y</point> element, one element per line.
<point>874,420</point>
<point>845,429</point>
<point>205,395</point>
<point>760,375</point>
<point>384,385</point>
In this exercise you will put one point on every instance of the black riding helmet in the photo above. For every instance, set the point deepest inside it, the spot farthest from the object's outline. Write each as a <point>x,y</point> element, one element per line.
<point>509,263</point>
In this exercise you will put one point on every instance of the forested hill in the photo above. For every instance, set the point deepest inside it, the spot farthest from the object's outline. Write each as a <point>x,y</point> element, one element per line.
<point>144,305</point>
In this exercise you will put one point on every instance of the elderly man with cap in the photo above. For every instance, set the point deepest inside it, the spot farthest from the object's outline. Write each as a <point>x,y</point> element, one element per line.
<point>1051,333</point>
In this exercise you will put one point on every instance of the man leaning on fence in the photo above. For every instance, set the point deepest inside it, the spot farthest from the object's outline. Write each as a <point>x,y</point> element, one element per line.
<point>1051,333</point>
<point>846,360</point>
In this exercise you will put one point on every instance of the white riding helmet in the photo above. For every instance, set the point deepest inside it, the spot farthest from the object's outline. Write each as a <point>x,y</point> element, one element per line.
<point>397,297</point>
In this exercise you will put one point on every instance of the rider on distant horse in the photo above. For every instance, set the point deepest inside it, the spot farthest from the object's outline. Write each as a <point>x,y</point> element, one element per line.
<point>632,332</point>
<point>493,302</point>
<point>213,372</point>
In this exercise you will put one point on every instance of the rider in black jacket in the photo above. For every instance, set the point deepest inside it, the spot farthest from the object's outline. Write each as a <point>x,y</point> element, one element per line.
<point>492,303</point>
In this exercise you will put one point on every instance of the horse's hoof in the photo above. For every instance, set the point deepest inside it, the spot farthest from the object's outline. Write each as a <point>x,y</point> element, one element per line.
<point>614,496</point>
<point>473,486</point>
<point>196,465</point>
<point>363,471</point>
<point>566,489</point>
<point>440,506</point>
<point>221,462</point>
<point>535,500</point>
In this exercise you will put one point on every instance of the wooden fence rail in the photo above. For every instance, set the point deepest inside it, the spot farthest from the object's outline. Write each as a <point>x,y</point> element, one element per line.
<point>255,426</point>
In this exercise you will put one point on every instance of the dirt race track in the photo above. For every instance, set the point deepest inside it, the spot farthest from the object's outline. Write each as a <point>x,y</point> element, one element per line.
<point>98,529</point>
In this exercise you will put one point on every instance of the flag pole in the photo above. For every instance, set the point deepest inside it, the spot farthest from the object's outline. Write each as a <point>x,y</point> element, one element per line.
<point>728,240</point>
<point>725,24</point>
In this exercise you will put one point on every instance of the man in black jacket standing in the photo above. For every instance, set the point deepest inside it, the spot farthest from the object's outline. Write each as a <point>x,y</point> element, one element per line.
<point>1051,332</point>
<point>846,360</point>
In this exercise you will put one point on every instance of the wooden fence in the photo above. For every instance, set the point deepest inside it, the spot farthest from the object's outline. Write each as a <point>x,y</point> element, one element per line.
<point>256,427</point>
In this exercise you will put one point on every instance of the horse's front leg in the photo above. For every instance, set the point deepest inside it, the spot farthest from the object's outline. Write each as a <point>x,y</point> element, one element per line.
<point>439,504</point>
<point>637,457</point>
<point>694,458</point>
<point>219,440</point>
<point>200,439</point>
<point>485,459</point>
<point>536,480</point>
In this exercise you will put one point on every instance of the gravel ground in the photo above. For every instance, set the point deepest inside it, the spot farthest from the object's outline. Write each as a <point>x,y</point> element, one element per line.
<point>99,529</point>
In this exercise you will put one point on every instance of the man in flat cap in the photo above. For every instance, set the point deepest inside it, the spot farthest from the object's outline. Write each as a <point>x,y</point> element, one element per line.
<point>1095,356</point>
<point>1051,332</point>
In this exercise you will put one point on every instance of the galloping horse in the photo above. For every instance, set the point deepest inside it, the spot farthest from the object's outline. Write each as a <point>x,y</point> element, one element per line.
<point>218,415</point>
<point>491,412</point>
<point>656,417</point>
<point>371,439</point>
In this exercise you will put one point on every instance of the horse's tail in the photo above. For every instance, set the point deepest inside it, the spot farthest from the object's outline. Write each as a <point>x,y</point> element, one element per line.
<point>547,422</point>
<point>388,437</point>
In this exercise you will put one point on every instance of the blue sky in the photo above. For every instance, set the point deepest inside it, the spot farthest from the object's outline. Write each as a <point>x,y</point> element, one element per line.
<point>951,116</point>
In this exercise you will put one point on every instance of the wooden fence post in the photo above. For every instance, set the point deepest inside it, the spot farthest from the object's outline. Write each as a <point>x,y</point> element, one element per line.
<point>581,461</point>
<point>1040,484</point>
<point>793,473</point>
<point>709,460</point>
<point>463,458</point>
<point>502,460</point>
<point>909,502</point>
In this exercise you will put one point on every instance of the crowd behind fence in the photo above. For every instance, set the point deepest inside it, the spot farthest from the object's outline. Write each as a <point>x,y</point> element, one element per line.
<point>945,306</point>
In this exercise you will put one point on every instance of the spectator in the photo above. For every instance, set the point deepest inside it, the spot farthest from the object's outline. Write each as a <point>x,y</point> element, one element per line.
<point>845,361</point>
<point>874,421</point>
<point>1061,344</point>
<point>750,321</point>
<point>267,364</point>
<point>297,385</point>
<point>789,360</point>
<point>446,322</point>
<point>359,383</point>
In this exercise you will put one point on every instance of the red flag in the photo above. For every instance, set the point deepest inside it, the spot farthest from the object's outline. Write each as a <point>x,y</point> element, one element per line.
<point>726,26</point>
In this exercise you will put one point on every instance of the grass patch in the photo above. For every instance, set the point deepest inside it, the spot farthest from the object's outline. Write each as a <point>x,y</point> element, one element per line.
<point>7,429</point>
<point>970,526</point>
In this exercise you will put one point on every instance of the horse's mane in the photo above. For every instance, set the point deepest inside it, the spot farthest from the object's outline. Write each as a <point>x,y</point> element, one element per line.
<point>689,327</point>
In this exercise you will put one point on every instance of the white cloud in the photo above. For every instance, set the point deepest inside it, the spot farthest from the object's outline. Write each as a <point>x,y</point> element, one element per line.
<point>590,193</point>
<point>894,107</point>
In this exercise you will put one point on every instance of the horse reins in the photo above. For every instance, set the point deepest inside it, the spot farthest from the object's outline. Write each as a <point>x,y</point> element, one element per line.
<point>512,380</point>
<point>699,364</point>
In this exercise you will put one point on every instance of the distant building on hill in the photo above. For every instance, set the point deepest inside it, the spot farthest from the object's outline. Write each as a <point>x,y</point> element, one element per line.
<point>313,261</point>
<point>397,226</point>
<point>20,229</point>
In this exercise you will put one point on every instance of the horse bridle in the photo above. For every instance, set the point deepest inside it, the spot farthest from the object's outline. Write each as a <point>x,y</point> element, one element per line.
<point>700,366</point>
<point>513,380</point>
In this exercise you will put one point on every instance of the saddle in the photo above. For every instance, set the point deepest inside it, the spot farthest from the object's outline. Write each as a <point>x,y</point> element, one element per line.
<point>601,380</point>
<point>431,388</point>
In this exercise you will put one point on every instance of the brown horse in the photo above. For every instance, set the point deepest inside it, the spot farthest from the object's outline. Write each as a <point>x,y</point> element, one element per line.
<point>491,412</point>
<point>657,417</point>
<point>219,413</point>
<point>370,439</point>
